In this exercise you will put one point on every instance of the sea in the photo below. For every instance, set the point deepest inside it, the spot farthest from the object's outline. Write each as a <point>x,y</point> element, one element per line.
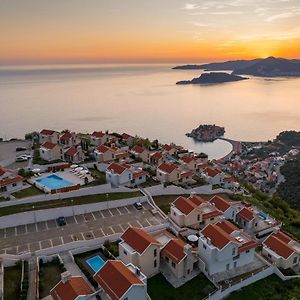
<point>144,100</point>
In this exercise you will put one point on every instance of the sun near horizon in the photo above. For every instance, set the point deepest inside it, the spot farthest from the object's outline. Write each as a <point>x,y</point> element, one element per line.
<point>36,32</point>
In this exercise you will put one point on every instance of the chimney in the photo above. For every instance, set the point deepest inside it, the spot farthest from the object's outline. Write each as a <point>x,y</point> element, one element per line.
<point>65,276</point>
<point>192,194</point>
<point>187,249</point>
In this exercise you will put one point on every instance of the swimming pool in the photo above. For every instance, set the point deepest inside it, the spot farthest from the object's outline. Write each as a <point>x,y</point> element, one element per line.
<point>53,182</point>
<point>96,263</point>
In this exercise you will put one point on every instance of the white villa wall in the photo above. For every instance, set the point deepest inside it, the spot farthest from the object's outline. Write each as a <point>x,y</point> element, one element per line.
<point>50,214</point>
<point>136,292</point>
<point>100,189</point>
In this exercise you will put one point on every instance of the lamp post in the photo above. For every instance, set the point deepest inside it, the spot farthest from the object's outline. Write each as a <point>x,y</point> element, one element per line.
<point>107,201</point>
<point>72,201</point>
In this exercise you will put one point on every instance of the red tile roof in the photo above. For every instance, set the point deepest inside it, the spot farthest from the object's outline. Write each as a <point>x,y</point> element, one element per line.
<point>246,214</point>
<point>118,169</point>
<point>211,214</point>
<point>157,156</point>
<point>66,136</point>
<point>187,159</point>
<point>174,249</point>
<point>211,172</point>
<point>11,178</point>
<point>48,145</point>
<point>126,136</point>
<point>279,244</point>
<point>71,151</point>
<point>247,246</point>
<point>98,134</point>
<point>167,168</point>
<point>115,279</point>
<point>103,148</point>
<point>74,287</point>
<point>227,226</point>
<point>187,174</point>
<point>167,147</point>
<point>47,132</point>
<point>138,149</point>
<point>186,206</point>
<point>220,203</point>
<point>139,174</point>
<point>138,239</point>
<point>217,235</point>
<point>122,155</point>
<point>197,199</point>
<point>3,171</point>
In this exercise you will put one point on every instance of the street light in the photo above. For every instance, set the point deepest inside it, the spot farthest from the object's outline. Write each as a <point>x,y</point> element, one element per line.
<point>72,200</point>
<point>107,201</point>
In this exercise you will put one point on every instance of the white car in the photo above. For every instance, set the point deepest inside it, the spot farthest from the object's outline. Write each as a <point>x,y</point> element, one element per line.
<point>21,158</point>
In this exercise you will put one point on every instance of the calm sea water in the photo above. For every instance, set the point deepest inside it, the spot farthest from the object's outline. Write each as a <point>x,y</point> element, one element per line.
<point>144,100</point>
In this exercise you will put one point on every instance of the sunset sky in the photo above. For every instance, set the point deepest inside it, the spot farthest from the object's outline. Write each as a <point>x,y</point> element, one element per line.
<point>63,31</point>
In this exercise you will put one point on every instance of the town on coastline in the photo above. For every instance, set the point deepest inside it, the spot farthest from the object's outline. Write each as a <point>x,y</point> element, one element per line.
<point>116,216</point>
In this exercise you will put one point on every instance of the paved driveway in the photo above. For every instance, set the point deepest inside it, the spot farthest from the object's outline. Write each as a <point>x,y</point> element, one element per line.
<point>41,235</point>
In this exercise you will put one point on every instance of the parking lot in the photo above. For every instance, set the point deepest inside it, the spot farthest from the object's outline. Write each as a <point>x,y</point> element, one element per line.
<point>47,234</point>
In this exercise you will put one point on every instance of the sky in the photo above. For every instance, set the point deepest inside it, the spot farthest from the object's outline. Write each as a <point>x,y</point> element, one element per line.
<point>114,31</point>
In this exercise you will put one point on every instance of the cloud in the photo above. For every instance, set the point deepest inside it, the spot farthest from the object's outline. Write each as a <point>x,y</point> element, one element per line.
<point>190,6</point>
<point>285,15</point>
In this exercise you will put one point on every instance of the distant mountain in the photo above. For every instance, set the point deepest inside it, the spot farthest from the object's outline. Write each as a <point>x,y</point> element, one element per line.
<point>219,66</point>
<point>271,67</point>
<point>268,67</point>
<point>213,78</point>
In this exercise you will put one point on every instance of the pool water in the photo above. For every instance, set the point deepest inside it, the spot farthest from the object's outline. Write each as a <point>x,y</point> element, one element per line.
<point>54,182</point>
<point>96,263</point>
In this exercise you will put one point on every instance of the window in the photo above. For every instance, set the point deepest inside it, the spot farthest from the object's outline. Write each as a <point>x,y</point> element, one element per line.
<point>269,255</point>
<point>198,218</point>
<point>14,184</point>
<point>244,223</point>
<point>233,251</point>
<point>155,263</point>
<point>235,264</point>
<point>227,267</point>
<point>212,219</point>
<point>236,257</point>
<point>125,252</point>
<point>173,265</point>
<point>295,260</point>
<point>255,225</point>
<point>155,252</point>
<point>204,246</point>
<point>167,259</point>
<point>247,251</point>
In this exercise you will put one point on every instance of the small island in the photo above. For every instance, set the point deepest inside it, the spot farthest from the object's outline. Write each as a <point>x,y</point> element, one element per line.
<point>207,133</point>
<point>212,78</point>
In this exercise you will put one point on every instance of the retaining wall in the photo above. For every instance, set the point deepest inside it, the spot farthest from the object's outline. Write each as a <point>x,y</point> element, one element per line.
<point>54,213</point>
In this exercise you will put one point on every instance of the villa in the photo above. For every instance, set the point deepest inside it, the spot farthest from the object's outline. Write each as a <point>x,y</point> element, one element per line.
<point>213,176</point>
<point>178,259</point>
<point>229,209</point>
<point>128,139</point>
<point>256,222</point>
<point>124,175</point>
<point>68,139</point>
<point>194,212</point>
<point>74,154</point>
<point>99,138</point>
<point>50,136</point>
<point>71,288</point>
<point>139,248</point>
<point>168,173</point>
<point>50,151</point>
<point>222,247</point>
<point>105,153</point>
<point>9,181</point>
<point>169,149</point>
<point>156,158</point>
<point>141,152</point>
<point>282,250</point>
<point>121,282</point>
<point>190,162</point>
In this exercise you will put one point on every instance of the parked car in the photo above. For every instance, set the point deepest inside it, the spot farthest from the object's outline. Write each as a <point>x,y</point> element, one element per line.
<point>61,221</point>
<point>138,205</point>
<point>19,149</point>
<point>21,158</point>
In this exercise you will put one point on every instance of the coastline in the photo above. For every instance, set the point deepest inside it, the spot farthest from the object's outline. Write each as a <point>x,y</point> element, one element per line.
<point>236,148</point>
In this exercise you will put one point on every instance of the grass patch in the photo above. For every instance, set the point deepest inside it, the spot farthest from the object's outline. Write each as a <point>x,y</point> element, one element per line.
<point>198,288</point>
<point>164,201</point>
<point>112,247</point>
<point>100,178</point>
<point>49,276</point>
<point>4,211</point>
<point>12,282</point>
<point>271,287</point>
<point>2,199</point>
<point>29,192</point>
